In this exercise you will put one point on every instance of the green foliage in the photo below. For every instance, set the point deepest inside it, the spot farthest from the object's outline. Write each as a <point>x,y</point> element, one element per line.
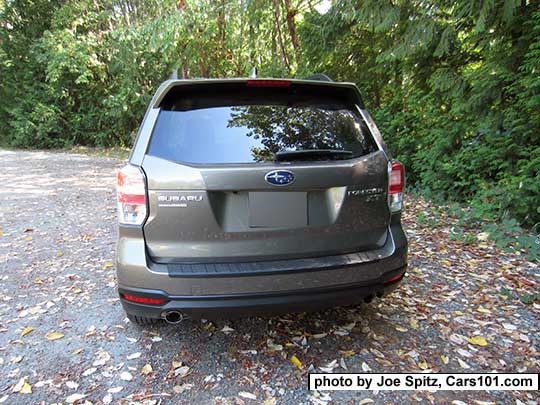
<point>454,86</point>
<point>458,234</point>
<point>507,233</point>
<point>524,298</point>
<point>82,72</point>
<point>529,298</point>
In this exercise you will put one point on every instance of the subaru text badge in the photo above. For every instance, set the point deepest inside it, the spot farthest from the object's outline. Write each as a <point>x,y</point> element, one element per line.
<point>279,177</point>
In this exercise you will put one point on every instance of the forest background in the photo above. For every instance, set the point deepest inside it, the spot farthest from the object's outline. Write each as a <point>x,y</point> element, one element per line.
<point>453,86</point>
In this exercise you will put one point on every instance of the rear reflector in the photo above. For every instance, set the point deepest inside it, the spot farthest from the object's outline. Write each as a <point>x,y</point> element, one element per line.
<point>393,279</point>
<point>143,300</point>
<point>396,185</point>
<point>131,195</point>
<point>268,83</point>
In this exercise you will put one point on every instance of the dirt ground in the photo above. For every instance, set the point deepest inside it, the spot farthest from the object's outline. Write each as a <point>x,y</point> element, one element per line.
<point>64,336</point>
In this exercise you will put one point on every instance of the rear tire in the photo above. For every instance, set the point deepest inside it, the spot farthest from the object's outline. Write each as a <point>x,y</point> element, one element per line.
<point>142,320</point>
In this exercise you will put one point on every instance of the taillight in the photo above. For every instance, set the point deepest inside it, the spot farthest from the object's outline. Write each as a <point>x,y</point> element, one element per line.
<point>396,185</point>
<point>268,83</point>
<point>131,195</point>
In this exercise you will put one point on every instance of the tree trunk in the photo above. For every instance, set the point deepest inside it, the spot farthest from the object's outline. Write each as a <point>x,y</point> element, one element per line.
<point>284,56</point>
<point>291,25</point>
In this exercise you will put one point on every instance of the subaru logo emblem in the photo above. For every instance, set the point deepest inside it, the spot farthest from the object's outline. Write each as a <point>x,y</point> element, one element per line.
<point>279,177</point>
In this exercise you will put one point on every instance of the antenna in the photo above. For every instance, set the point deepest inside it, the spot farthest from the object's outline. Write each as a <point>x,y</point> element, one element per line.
<point>253,74</point>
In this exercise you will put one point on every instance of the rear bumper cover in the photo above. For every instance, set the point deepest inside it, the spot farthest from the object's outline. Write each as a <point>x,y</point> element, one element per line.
<point>231,306</point>
<point>332,282</point>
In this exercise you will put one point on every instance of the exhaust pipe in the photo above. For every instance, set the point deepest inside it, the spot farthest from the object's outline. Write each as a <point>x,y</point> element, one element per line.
<point>173,317</point>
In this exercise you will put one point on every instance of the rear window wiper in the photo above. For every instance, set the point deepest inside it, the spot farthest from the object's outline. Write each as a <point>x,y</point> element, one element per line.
<point>312,154</point>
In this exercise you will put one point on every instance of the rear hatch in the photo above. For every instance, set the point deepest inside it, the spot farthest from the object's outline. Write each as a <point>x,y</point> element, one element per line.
<point>262,170</point>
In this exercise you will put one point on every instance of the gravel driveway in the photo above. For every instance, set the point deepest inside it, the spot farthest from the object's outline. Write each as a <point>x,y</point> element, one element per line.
<point>64,337</point>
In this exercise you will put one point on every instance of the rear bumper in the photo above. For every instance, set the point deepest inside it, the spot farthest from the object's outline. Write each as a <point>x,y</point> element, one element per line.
<point>232,306</point>
<point>340,280</point>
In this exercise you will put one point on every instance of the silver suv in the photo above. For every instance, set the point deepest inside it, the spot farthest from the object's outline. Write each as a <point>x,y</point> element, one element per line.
<point>252,196</point>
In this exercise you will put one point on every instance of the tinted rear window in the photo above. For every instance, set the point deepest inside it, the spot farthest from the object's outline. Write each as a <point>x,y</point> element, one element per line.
<point>250,125</point>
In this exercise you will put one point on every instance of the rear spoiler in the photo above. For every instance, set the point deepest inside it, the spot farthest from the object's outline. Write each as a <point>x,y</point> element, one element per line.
<point>348,90</point>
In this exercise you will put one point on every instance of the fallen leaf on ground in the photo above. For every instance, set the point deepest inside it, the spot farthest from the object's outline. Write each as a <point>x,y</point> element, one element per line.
<point>178,389</point>
<point>26,331</point>
<point>296,361</point>
<point>90,371</point>
<point>182,371</point>
<point>72,385</point>
<point>272,346</point>
<point>74,398</point>
<point>482,236</point>
<point>478,341</point>
<point>22,387</point>
<point>423,365</point>
<point>17,387</point>
<point>102,358</point>
<point>329,367</point>
<point>54,335</point>
<point>134,356</point>
<point>126,376</point>
<point>446,262</point>
<point>509,326</point>
<point>456,339</point>
<point>247,395</point>
<point>347,353</point>
<point>147,369</point>
<point>462,364</point>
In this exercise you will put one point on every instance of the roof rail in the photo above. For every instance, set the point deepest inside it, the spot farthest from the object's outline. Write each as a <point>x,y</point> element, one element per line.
<point>319,76</point>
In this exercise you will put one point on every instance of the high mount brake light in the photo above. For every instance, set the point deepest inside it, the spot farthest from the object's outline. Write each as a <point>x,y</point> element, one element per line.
<point>268,83</point>
<point>131,195</point>
<point>396,185</point>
